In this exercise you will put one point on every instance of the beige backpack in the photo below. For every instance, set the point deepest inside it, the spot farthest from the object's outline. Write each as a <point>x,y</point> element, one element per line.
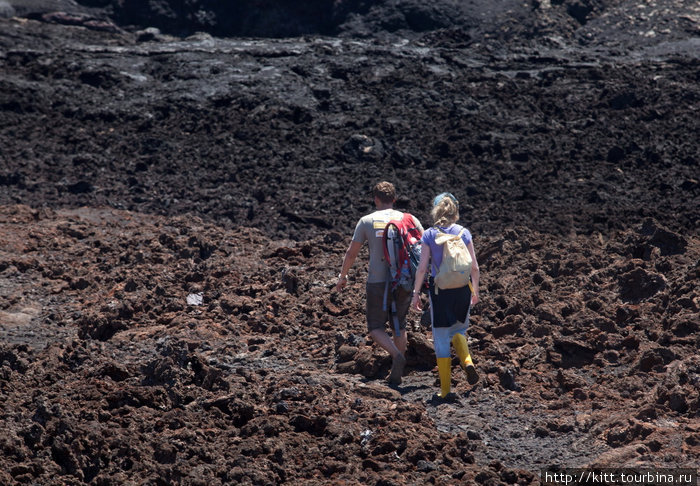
<point>456,266</point>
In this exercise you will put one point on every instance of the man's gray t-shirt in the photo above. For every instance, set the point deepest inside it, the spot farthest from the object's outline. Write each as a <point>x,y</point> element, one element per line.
<point>370,228</point>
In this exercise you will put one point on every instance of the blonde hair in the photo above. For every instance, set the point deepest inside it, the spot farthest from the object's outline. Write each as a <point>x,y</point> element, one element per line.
<point>445,212</point>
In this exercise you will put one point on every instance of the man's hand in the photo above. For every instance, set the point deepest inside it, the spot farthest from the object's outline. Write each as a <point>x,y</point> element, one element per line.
<point>342,282</point>
<point>349,259</point>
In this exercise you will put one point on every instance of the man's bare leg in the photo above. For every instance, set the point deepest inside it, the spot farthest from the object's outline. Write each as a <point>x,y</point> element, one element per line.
<point>396,348</point>
<point>401,342</point>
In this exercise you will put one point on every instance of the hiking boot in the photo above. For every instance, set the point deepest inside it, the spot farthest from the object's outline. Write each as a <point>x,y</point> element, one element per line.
<point>472,375</point>
<point>397,369</point>
<point>438,398</point>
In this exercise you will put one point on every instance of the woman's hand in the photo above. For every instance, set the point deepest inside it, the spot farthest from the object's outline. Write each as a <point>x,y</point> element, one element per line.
<point>420,276</point>
<point>475,299</point>
<point>415,301</point>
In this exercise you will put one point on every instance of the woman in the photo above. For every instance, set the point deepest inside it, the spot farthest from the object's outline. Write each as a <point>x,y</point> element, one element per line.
<point>449,308</point>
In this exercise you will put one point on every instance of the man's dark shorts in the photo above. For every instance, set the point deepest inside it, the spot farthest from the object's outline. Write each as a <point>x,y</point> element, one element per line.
<point>376,315</point>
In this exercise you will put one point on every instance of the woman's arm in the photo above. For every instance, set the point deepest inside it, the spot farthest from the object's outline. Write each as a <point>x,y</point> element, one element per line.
<point>474,274</point>
<point>420,276</point>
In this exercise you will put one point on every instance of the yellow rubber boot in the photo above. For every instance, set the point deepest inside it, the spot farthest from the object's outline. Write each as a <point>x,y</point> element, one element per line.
<point>459,341</point>
<point>445,373</point>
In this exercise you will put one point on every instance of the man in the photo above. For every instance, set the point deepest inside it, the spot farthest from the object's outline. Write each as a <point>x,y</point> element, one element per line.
<point>370,229</point>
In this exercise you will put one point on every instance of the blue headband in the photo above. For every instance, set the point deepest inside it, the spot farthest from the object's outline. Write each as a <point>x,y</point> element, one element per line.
<point>442,196</point>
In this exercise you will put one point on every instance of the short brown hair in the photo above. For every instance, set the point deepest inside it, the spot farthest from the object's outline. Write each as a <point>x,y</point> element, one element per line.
<point>385,191</point>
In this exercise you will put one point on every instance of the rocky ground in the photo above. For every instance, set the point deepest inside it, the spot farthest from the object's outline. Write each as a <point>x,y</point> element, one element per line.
<point>179,182</point>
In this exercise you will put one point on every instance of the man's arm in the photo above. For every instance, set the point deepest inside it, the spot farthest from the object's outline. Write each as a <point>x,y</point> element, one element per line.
<point>350,256</point>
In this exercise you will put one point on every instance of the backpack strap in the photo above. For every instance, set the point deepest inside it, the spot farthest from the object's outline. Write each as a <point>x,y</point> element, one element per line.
<point>385,306</point>
<point>387,289</point>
